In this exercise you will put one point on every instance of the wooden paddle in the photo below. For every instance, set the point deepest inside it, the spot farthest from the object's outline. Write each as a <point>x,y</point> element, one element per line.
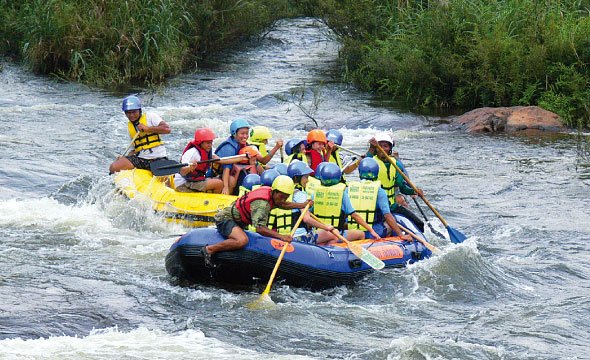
<point>358,250</point>
<point>166,167</point>
<point>264,298</point>
<point>455,235</point>
<point>428,245</point>
<point>130,144</point>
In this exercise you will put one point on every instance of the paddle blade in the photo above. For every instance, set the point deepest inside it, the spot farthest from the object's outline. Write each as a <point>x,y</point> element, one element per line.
<point>165,167</point>
<point>366,256</point>
<point>456,236</point>
<point>263,302</point>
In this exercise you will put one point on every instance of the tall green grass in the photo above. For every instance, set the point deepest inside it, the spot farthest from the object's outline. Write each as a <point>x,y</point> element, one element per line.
<point>469,53</point>
<point>112,42</point>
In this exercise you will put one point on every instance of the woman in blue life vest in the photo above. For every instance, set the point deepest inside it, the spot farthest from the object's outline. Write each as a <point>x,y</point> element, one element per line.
<point>391,179</point>
<point>252,209</point>
<point>145,129</point>
<point>332,206</point>
<point>194,176</point>
<point>370,202</point>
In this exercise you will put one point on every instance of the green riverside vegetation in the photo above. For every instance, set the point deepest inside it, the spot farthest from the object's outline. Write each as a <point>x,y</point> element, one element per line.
<point>468,53</point>
<point>431,54</point>
<point>116,42</point>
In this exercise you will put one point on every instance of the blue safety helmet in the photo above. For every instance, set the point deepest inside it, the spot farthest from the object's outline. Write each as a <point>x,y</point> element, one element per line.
<point>368,169</point>
<point>293,144</point>
<point>335,136</point>
<point>131,102</point>
<point>250,180</point>
<point>298,168</point>
<point>318,170</point>
<point>268,176</point>
<point>238,124</point>
<point>330,174</point>
<point>281,168</point>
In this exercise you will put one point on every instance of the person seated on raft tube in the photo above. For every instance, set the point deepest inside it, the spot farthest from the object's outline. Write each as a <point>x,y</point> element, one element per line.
<point>259,136</point>
<point>332,206</point>
<point>194,176</point>
<point>371,203</point>
<point>239,133</point>
<point>390,178</point>
<point>295,150</point>
<point>282,220</point>
<point>147,146</point>
<point>251,209</point>
<point>336,137</point>
<point>316,152</point>
<point>245,166</point>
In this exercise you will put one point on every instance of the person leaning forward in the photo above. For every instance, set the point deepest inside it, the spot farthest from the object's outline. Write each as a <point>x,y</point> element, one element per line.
<point>251,209</point>
<point>145,130</point>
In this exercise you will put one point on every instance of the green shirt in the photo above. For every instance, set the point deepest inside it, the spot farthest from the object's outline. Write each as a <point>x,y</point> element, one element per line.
<point>259,212</point>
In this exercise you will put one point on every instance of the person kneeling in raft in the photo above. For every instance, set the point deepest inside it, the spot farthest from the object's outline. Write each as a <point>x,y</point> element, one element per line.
<point>252,209</point>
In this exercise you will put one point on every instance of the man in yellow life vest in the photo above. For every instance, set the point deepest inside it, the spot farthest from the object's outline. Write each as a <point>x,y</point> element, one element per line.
<point>390,178</point>
<point>282,220</point>
<point>251,209</point>
<point>145,130</point>
<point>370,202</point>
<point>332,206</point>
<point>336,137</point>
<point>295,150</point>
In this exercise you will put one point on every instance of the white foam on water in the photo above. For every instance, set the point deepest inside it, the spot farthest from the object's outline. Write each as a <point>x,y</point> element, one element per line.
<point>141,343</point>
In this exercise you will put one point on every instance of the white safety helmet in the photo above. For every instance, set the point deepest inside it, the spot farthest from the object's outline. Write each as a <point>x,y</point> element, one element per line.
<point>384,137</point>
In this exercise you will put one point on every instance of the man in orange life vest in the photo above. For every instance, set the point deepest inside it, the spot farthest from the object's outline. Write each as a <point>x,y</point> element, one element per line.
<point>252,209</point>
<point>148,145</point>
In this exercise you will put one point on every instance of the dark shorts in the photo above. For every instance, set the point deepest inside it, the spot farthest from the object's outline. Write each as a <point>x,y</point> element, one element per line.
<point>141,163</point>
<point>225,227</point>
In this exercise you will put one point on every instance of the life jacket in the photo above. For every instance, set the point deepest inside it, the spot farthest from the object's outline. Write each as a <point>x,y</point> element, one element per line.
<point>315,159</point>
<point>260,146</point>
<point>200,171</point>
<point>281,220</point>
<point>387,178</point>
<point>312,184</point>
<point>327,204</point>
<point>335,158</point>
<point>144,141</point>
<point>293,156</point>
<point>243,203</point>
<point>231,142</point>
<point>363,197</point>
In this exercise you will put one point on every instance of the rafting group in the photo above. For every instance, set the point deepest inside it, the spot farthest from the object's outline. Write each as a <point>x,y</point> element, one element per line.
<point>305,198</point>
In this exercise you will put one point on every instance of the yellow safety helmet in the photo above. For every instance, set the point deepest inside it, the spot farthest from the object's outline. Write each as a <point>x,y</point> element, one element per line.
<point>284,184</point>
<point>259,134</point>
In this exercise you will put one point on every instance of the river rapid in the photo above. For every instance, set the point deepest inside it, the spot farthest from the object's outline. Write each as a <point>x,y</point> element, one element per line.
<point>82,269</point>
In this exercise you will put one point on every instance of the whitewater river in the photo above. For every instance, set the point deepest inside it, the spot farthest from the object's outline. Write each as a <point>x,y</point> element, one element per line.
<point>82,270</point>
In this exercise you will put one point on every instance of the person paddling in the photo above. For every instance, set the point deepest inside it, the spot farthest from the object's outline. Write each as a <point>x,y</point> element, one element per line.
<point>144,130</point>
<point>390,178</point>
<point>251,209</point>
<point>370,202</point>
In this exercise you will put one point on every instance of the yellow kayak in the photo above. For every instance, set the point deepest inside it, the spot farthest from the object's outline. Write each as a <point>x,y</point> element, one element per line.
<point>195,209</point>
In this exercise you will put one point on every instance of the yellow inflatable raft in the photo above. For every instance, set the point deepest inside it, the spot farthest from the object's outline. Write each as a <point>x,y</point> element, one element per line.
<point>195,209</point>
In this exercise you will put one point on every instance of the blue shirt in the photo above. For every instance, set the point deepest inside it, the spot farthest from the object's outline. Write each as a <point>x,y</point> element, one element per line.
<point>229,147</point>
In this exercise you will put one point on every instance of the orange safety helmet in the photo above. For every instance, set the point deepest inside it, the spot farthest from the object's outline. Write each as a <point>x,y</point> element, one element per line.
<point>316,135</point>
<point>250,151</point>
<point>203,134</point>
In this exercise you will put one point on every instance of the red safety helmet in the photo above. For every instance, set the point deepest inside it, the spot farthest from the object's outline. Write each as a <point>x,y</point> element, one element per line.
<point>204,134</point>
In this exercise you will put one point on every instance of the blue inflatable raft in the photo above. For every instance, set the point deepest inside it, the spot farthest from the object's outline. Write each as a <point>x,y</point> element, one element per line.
<point>304,265</point>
